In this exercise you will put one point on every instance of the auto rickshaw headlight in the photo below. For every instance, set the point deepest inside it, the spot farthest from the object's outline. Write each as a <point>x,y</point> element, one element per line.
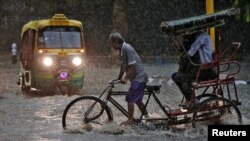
<point>77,61</point>
<point>47,61</point>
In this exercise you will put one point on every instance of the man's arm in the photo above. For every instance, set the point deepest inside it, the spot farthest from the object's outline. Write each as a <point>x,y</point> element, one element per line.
<point>120,73</point>
<point>131,72</point>
<point>196,45</point>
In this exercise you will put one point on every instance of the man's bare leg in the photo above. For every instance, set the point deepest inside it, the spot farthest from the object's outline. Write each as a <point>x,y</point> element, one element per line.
<point>141,106</point>
<point>130,120</point>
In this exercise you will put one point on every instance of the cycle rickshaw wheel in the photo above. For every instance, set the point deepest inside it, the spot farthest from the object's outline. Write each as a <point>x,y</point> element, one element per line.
<point>84,110</point>
<point>216,110</point>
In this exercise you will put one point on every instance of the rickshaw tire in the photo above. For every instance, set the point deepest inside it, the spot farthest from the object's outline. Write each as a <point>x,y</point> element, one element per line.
<point>220,112</point>
<point>104,107</point>
<point>22,85</point>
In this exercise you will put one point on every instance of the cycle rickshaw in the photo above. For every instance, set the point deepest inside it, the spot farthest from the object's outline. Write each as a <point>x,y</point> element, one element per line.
<point>216,104</point>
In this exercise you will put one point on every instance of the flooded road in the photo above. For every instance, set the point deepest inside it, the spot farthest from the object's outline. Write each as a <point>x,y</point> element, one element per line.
<point>38,118</point>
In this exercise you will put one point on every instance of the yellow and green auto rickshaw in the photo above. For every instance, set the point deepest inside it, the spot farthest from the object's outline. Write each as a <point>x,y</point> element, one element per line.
<point>52,55</point>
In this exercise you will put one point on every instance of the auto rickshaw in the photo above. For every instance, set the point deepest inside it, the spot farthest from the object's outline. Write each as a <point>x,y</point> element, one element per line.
<point>52,55</point>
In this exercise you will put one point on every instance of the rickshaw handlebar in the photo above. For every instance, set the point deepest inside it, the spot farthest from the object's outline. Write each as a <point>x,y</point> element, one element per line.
<point>114,81</point>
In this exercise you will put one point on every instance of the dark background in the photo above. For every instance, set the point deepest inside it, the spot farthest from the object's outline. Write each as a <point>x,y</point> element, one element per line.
<point>137,20</point>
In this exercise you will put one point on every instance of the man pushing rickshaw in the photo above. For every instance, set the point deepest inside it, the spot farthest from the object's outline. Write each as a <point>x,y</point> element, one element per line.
<point>207,103</point>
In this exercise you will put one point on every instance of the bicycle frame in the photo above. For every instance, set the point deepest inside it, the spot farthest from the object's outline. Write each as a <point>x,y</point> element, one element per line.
<point>212,108</point>
<point>150,90</point>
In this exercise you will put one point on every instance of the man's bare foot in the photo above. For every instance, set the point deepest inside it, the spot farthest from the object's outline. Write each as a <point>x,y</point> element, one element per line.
<point>128,122</point>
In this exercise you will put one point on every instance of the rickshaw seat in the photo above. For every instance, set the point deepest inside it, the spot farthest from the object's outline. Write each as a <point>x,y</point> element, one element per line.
<point>225,66</point>
<point>224,76</point>
<point>223,79</point>
<point>153,87</point>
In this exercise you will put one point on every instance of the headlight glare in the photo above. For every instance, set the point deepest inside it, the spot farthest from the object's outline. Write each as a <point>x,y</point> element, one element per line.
<point>47,61</point>
<point>77,61</point>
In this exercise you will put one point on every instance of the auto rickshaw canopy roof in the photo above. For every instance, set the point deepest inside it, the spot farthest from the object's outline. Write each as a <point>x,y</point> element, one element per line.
<point>56,20</point>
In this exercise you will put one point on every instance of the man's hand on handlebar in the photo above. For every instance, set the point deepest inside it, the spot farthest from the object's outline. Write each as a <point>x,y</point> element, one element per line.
<point>114,81</point>
<point>124,80</point>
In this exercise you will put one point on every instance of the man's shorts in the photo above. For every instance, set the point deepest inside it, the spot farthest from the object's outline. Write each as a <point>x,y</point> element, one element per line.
<point>136,92</point>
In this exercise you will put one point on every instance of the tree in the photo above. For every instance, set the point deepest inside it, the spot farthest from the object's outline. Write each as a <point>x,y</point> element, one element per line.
<point>244,5</point>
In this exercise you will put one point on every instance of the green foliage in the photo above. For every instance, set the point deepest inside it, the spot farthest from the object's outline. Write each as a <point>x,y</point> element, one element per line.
<point>244,5</point>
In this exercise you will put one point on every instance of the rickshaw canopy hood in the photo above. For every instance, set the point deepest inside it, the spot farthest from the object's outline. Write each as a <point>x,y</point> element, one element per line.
<point>197,23</point>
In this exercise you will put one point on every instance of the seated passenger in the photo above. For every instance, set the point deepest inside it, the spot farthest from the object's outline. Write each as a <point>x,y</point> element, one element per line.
<point>200,52</point>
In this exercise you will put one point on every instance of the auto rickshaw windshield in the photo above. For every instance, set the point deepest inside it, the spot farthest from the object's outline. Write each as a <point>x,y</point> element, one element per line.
<point>60,38</point>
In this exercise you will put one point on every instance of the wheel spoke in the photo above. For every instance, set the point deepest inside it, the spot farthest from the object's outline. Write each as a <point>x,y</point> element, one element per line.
<point>83,110</point>
<point>217,111</point>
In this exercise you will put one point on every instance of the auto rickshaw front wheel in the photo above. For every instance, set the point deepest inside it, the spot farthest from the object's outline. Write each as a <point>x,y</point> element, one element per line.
<point>22,83</point>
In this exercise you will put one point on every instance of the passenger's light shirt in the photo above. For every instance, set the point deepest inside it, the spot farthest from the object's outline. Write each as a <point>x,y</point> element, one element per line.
<point>203,44</point>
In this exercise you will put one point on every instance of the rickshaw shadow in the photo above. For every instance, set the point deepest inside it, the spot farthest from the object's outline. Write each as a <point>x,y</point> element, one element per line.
<point>43,93</point>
